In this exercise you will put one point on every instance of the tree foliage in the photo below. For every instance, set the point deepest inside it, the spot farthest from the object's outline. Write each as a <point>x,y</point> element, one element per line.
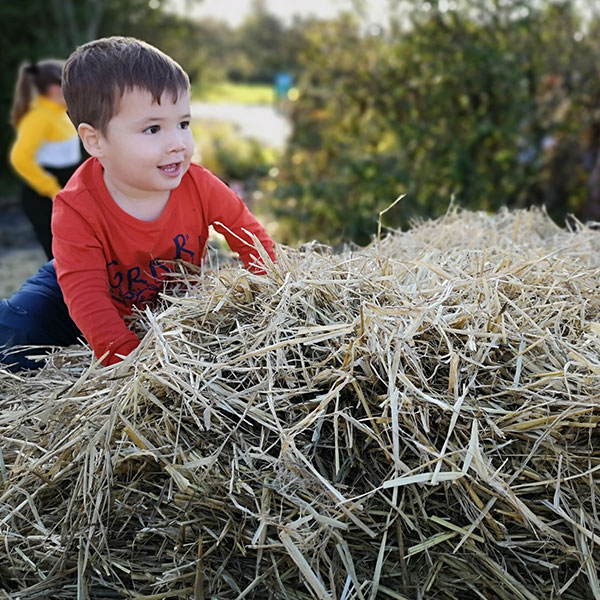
<point>196,45</point>
<point>492,103</point>
<point>263,45</point>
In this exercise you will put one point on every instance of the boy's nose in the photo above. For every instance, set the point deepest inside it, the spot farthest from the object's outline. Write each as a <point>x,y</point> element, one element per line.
<point>177,142</point>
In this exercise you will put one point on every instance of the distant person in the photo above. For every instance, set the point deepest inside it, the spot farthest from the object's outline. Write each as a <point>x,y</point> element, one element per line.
<point>282,83</point>
<point>46,151</point>
<point>133,207</point>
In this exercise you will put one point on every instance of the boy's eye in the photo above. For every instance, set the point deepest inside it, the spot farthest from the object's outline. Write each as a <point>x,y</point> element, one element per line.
<point>184,124</point>
<point>152,129</point>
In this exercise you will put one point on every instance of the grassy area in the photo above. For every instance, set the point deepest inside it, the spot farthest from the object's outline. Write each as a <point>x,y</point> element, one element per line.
<point>236,93</point>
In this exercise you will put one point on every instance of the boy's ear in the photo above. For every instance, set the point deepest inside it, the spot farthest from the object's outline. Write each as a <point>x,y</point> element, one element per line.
<point>91,138</point>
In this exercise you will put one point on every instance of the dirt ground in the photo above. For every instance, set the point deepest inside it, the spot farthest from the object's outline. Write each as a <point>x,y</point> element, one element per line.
<point>20,253</point>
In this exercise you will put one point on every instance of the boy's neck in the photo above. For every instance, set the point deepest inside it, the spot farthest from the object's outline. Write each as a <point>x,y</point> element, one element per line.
<point>145,208</point>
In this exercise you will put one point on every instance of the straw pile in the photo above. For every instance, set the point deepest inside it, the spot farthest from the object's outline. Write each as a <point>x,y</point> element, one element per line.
<point>416,419</point>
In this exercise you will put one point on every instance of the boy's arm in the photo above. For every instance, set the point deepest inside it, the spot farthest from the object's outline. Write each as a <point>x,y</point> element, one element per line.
<point>30,135</point>
<point>81,271</point>
<point>225,207</point>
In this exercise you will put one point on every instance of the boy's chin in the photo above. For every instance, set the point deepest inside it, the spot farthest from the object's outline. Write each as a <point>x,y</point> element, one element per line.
<point>172,182</point>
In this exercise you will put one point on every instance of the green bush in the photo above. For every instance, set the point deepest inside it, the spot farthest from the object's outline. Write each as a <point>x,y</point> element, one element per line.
<point>229,155</point>
<point>486,106</point>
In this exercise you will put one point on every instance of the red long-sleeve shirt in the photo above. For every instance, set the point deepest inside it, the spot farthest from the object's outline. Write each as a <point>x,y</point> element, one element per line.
<point>107,261</point>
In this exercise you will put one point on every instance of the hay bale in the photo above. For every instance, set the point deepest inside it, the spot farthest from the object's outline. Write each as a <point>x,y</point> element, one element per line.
<point>416,419</point>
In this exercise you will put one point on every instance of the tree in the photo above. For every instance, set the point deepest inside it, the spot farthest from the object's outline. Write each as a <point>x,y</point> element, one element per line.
<point>264,46</point>
<point>76,21</point>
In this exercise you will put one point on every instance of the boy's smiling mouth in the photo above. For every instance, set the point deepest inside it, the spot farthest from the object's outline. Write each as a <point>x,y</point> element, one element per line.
<point>172,169</point>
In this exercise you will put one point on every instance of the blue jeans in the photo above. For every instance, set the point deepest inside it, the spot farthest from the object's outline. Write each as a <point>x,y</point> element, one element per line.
<point>35,315</point>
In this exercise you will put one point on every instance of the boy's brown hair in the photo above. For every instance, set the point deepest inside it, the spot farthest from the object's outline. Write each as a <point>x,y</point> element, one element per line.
<point>98,73</point>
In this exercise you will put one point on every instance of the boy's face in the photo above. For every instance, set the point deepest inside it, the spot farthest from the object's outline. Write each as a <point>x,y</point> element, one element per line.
<point>148,146</point>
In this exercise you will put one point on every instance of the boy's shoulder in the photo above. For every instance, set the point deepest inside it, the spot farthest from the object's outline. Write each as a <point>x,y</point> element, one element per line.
<point>205,181</point>
<point>85,177</point>
<point>83,186</point>
<point>199,173</point>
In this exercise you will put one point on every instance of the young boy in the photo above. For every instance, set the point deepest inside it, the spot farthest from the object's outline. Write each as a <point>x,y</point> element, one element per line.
<point>132,207</point>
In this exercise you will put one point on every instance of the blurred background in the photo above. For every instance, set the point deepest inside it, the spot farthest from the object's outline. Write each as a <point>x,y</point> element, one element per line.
<point>321,113</point>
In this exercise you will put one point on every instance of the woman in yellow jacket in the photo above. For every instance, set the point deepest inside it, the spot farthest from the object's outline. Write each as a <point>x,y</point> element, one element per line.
<point>46,151</point>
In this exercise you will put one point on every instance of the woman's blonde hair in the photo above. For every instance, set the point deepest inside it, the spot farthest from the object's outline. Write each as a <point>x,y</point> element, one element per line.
<point>33,79</point>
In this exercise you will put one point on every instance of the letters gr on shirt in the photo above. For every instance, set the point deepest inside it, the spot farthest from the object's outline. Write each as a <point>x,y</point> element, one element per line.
<point>140,284</point>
